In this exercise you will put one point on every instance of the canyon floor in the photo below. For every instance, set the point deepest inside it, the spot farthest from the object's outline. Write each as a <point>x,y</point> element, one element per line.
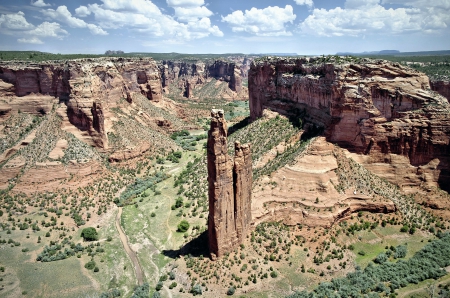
<point>320,212</point>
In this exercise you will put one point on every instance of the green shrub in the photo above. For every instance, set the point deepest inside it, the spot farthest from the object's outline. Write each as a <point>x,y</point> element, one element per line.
<point>90,265</point>
<point>231,291</point>
<point>159,286</point>
<point>141,291</point>
<point>381,258</point>
<point>183,226</point>
<point>89,234</point>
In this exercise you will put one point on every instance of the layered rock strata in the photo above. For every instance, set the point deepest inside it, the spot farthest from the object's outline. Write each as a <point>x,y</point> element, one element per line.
<point>307,193</point>
<point>376,108</point>
<point>442,87</point>
<point>229,189</point>
<point>190,75</point>
<point>87,86</point>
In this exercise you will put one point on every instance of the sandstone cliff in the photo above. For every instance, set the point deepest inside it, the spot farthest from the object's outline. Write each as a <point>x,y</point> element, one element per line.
<point>376,108</point>
<point>442,87</point>
<point>308,191</point>
<point>86,86</point>
<point>187,77</point>
<point>229,189</point>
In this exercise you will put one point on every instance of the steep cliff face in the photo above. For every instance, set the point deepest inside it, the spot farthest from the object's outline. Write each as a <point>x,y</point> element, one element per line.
<point>87,86</point>
<point>229,189</point>
<point>375,108</point>
<point>441,87</point>
<point>243,179</point>
<point>188,76</point>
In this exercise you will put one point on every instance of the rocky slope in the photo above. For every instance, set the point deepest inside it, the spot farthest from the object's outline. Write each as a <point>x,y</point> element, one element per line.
<point>59,117</point>
<point>90,88</point>
<point>376,108</point>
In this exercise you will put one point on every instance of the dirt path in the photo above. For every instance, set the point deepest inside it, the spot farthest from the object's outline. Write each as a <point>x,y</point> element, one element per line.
<point>131,253</point>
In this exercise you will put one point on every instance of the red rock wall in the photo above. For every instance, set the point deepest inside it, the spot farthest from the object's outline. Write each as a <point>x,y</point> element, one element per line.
<point>243,179</point>
<point>87,86</point>
<point>229,189</point>
<point>199,73</point>
<point>441,87</point>
<point>376,108</point>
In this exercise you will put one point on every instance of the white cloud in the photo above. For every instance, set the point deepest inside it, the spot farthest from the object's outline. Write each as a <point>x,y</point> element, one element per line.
<point>185,3</point>
<point>194,13</point>
<point>353,4</point>
<point>16,24</point>
<point>204,26</point>
<point>269,21</point>
<point>189,10</point>
<point>14,21</point>
<point>62,14</point>
<point>82,11</point>
<point>144,7</point>
<point>47,29</point>
<point>32,40</point>
<point>362,17</point>
<point>145,17</point>
<point>308,3</point>
<point>96,30</point>
<point>40,3</point>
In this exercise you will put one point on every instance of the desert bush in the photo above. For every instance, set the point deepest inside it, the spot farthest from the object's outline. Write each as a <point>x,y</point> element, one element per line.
<point>141,291</point>
<point>89,234</point>
<point>183,226</point>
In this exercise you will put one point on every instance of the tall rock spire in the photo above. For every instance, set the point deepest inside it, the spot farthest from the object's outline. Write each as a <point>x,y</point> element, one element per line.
<point>229,189</point>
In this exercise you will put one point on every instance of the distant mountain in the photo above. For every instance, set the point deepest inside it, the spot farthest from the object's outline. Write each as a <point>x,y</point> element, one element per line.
<point>383,52</point>
<point>396,53</point>
<point>275,54</point>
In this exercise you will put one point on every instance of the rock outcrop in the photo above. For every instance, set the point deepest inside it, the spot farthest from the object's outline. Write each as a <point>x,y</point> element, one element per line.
<point>442,87</point>
<point>377,108</point>
<point>306,192</point>
<point>188,76</point>
<point>87,86</point>
<point>229,189</point>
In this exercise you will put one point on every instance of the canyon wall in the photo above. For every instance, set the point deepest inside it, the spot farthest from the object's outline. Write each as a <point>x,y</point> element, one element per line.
<point>88,87</point>
<point>375,108</point>
<point>190,75</point>
<point>229,191</point>
<point>442,87</point>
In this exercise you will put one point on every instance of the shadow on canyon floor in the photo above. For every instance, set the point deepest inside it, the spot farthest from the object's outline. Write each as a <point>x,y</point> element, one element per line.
<point>196,247</point>
<point>241,124</point>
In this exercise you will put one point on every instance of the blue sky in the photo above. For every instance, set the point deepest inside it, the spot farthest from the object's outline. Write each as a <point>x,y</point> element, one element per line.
<point>232,26</point>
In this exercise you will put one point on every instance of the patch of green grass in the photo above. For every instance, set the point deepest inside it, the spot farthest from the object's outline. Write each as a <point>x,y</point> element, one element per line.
<point>372,243</point>
<point>117,270</point>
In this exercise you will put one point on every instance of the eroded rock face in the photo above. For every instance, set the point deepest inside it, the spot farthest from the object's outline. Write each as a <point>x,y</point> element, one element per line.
<point>87,86</point>
<point>243,179</point>
<point>376,108</point>
<point>305,191</point>
<point>199,73</point>
<point>441,87</point>
<point>229,189</point>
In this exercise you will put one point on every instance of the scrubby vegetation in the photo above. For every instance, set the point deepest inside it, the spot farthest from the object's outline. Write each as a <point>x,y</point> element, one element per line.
<point>138,187</point>
<point>385,278</point>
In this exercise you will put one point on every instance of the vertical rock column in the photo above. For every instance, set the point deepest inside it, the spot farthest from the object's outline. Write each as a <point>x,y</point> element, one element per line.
<point>221,220</point>
<point>229,189</point>
<point>243,179</point>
